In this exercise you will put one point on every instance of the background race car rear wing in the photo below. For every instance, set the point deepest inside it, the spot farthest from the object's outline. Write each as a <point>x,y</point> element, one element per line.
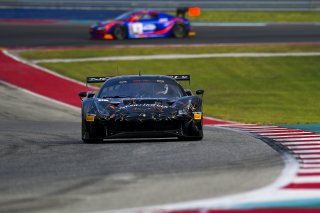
<point>103,79</point>
<point>192,11</point>
<point>181,12</point>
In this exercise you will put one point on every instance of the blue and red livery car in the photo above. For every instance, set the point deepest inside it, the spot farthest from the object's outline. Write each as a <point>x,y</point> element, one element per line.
<point>143,24</point>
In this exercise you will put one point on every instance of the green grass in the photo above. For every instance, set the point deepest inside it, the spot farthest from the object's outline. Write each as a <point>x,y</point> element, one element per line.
<point>104,52</point>
<point>255,16</point>
<point>251,90</point>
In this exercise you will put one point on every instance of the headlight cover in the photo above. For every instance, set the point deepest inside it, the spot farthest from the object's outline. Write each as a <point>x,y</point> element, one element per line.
<point>102,107</point>
<point>183,106</point>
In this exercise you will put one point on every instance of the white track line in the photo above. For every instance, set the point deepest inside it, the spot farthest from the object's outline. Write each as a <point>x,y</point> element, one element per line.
<point>294,136</point>
<point>278,130</point>
<point>308,171</point>
<point>286,133</point>
<point>300,143</point>
<point>305,151</point>
<point>304,147</point>
<point>176,56</point>
<point>298,139</point>
<point>310,161</point>
<point>308,179</point>
<point>310,166</point>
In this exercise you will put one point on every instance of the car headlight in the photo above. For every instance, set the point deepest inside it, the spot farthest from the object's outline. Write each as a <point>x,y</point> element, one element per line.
<point>183,107</point>
<point>102,107</point>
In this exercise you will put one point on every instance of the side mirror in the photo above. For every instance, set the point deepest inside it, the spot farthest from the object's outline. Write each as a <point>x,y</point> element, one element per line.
<point>82,94</point>
<point>200,92</point>
<point>188,92</point>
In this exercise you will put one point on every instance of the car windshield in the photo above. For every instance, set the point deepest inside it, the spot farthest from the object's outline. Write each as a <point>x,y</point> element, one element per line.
<point>141,89</point>
<point>124,16</point>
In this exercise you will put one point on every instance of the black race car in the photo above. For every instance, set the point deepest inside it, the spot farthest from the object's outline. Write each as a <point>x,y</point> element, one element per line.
<point>141,106</point>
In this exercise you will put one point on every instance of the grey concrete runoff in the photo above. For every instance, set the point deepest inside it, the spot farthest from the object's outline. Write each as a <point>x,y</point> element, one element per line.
<point>46,168</point>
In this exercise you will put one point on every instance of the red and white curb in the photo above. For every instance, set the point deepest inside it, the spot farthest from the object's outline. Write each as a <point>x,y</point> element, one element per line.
<point>304,146</point>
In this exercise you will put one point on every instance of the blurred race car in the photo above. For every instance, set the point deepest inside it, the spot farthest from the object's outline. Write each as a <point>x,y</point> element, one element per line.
<point>143,24</point>
<point>141,106</point>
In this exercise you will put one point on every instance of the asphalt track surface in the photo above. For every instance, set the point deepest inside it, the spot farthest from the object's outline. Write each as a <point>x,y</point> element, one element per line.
<point>46,168</point>
<point>72,34</point>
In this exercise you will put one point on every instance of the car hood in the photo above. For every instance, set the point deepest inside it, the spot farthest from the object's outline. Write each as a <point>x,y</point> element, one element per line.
<point>128,103</point>
<point>142,108</point>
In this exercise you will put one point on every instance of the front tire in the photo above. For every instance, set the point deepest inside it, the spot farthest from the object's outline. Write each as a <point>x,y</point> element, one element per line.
<point>90,134</point>
<point>120,32</point>
<point>192,131</point>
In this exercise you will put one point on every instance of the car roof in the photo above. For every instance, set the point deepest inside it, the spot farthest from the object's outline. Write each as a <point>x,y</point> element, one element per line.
<point>145,11</point>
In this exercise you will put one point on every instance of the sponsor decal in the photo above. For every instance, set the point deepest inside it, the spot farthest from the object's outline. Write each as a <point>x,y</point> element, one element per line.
<point>163,20</point>
<point>197,115</point>
<point>102,100</point>
<point>90,118</point>
<point>149,27</point>
<point>144,105</point>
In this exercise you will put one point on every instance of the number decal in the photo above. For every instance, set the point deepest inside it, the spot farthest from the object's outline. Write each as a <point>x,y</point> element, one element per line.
<point>137,28</point>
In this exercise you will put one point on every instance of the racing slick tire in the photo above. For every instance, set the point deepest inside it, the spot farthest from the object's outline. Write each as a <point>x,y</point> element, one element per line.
<point>90,134</point>
<point>192,132</point>
<point>179,30</point>
<point>120,32</point>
